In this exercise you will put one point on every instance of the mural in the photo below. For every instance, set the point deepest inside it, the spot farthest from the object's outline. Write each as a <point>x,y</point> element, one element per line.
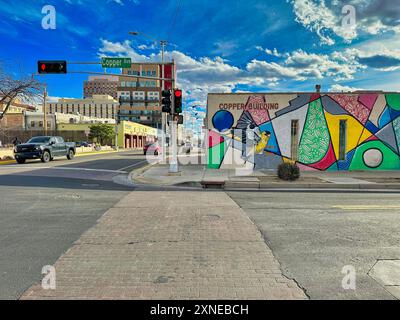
<point>257,131</point>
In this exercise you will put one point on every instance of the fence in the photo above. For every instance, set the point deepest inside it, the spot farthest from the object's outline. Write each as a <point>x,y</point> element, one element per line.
<point>7,136</point>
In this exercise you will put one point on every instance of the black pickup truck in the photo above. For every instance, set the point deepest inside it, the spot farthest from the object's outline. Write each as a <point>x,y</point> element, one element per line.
<point>44,148</point>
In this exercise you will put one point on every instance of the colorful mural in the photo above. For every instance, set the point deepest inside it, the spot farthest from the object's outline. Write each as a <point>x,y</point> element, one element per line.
<point>257,130</point>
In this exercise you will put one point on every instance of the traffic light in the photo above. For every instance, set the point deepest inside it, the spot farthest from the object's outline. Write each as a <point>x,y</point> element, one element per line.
<point>166,101</point>
<point>52,67</point>
<point>178,101</point>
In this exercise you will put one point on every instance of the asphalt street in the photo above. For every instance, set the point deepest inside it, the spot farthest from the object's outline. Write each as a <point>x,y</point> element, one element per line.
<point>44,208</point>
<point>315,235</point>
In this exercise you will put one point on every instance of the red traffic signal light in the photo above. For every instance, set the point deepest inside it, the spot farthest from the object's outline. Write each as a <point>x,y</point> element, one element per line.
<point>52,67</point>
<point>178,93</point>
<point>178,101</point>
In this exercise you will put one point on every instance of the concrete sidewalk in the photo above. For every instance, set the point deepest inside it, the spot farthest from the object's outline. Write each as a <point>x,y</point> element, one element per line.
<point>199,175</point>
<point>151,246</point>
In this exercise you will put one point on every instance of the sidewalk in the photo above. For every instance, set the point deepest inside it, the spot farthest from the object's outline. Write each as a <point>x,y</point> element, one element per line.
<point>151,246</point>
<point>199,175</point>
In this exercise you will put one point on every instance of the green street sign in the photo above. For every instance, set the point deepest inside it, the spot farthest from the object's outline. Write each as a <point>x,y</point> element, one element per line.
<point>116,62</point>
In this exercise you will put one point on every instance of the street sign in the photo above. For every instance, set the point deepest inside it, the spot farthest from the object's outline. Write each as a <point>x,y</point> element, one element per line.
<point>116,62</point>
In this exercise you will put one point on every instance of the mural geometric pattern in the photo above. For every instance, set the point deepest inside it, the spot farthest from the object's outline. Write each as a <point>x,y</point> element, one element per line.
<point>315,140</point>
<point>372,139</point>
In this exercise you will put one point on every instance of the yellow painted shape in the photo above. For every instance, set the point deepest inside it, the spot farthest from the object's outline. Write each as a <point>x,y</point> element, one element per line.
<point>355,130</point>
<point>287,160</point>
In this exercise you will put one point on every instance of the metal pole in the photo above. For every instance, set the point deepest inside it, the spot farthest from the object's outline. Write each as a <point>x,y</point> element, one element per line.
<point>174,168</point>
<point>163,115</point>
<point>44,110</point>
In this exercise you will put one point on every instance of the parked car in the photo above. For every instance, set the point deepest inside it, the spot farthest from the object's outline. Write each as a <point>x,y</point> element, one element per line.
<point>152,148</point>
<point>82,144</point>
<point>45,148</point>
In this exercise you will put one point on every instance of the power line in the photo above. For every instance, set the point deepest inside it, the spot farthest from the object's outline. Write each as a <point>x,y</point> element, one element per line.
<point>174,19</point>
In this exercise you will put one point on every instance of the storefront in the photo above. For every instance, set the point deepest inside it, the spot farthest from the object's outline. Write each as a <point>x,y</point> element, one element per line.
<point>135,135</point>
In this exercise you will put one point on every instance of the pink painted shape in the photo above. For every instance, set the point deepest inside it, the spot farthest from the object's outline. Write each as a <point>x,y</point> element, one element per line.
<point>368,100</point>
<point>305,168</point>
<point>259,115</point>
<point>314,97</point>
<point>327,161</point>
<point>372,138</point>
<point>214,139</point>
<point>350,103</point>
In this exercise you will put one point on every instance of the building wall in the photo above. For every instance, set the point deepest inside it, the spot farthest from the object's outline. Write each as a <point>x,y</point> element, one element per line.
<point>371,140</point>
<point>12,120</point>
<point>135,135</point>
<point>100,106</point>
<point>100,85</point>
<point>141,98</point>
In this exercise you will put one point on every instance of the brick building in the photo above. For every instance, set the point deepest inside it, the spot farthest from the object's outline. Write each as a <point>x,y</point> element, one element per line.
<point>140,99</point>
<point>100,85</point>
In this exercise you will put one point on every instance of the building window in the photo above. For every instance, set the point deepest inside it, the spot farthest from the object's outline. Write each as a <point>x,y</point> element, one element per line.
<point>40,124</point>
<point>342,139</point>
<point>294,134</point>
<point>32,124</point>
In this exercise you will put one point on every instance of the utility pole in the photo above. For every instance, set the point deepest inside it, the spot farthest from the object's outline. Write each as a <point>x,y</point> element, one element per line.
<point>163,115</point>
<point>44,110</point>
<point>174,168</point>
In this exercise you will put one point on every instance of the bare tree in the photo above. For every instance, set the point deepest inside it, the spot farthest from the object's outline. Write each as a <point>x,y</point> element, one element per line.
<point>26,89</point>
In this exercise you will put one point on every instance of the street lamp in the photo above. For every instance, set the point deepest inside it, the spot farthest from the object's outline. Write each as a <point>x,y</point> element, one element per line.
<point>163,43</point>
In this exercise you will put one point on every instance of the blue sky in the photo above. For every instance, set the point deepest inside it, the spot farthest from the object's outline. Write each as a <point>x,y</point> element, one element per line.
<point>219,46</point>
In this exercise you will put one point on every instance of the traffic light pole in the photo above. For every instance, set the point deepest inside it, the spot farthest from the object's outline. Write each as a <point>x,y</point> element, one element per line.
<point>173,167</point>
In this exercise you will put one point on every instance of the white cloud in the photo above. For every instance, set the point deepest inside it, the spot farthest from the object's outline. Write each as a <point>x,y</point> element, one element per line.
<point>200,76</point>
<point>340,88</point>
<point>273,52</point>
<point>373,17</point>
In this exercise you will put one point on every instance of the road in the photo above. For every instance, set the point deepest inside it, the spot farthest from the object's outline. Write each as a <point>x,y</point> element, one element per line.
<point>315,235</point>
<point>44,208</point>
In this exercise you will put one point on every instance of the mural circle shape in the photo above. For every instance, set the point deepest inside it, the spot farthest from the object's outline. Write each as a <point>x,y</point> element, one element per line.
<point>222,120</point>
<point>373,158</point>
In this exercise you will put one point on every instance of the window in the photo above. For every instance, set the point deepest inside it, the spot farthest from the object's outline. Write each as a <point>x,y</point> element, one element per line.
<point>40,124</point>
<point>342,139</point>
<point>32,124</point>
<point>294,134</point>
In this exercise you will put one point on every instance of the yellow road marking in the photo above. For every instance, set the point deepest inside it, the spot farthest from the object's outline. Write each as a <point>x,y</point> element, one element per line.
<point>367,207</point>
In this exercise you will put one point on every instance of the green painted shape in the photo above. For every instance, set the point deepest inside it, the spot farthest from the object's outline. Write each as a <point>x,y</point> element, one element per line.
<point>315,140</point>
<point>391,161</point>
<point>396,128</point>
<point>216,155</point>
<point>333,167</point>
<point>393,100</point>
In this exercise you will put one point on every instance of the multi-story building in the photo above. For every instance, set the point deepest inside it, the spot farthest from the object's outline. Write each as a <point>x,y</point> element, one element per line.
<point>35,120</point>
<point>101,85</point>
<point>140,99</point>
<point>99,106</point>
